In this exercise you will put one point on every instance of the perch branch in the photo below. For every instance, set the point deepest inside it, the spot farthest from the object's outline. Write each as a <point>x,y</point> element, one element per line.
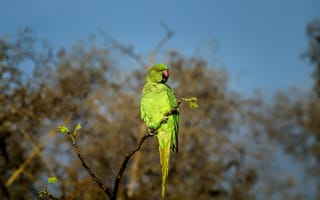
<point>91,173</point>
<point>150,133</point>
<point>125,162</point>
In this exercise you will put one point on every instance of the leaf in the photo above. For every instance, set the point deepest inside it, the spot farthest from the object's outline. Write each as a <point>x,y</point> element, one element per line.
<point>78,127</point>
<point>193,105</point>
<point>193,101</point>
<point>52,179</point>
<point>41,194</point>
<point>63,129</point>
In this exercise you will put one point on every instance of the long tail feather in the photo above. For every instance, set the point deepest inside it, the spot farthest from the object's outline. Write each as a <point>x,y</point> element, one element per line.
<point>164,161</point>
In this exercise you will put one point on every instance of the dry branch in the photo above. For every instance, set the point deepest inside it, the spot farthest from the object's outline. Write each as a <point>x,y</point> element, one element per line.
<point>150,133</point>
<point>129,51</point>
<point>88,169</point>
<point>37,149</point>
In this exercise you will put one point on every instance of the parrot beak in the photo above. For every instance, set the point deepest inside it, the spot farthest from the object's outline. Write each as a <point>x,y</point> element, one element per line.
<point>165,75</point>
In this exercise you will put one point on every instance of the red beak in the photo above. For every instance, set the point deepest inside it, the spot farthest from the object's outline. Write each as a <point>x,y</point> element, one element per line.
<point>165,74</point>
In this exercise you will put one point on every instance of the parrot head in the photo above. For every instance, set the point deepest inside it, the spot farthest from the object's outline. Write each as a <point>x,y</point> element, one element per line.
<point>158,73</point>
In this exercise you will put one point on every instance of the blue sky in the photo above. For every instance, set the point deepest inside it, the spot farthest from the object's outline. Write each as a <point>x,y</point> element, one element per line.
<point>259,42</point>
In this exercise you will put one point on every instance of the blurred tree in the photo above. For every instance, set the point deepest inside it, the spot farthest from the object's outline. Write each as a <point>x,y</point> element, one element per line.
<point>20,115</point>
<point>290,123</point>
<point>313,51</point>
<point>223,144</point>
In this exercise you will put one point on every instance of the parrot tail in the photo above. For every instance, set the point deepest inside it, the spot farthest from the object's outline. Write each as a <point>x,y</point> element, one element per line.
<point>164,161</point>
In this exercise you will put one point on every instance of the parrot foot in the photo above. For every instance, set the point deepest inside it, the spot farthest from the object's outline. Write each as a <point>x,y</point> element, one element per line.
<point>152,131</point>
<point>165,119</point>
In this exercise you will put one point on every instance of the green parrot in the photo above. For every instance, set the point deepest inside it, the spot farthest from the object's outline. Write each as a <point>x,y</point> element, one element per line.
<point>157,99</point>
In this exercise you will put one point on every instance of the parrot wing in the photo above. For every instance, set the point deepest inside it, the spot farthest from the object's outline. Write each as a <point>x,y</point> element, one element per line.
<point>154,104</point>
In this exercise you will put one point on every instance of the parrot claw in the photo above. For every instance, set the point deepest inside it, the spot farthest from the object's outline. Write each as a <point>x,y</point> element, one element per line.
<point>152,131</point>
<point>165,119</point>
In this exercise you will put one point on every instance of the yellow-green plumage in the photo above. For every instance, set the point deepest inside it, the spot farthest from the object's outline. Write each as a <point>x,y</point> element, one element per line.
<point>157,99</point>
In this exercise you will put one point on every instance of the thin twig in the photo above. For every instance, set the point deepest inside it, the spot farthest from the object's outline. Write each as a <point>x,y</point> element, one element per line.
<point>127,50</point>
<point>165,39</point>
<point>125,162</point>
<point>49,196</point>
<point>105,188</point>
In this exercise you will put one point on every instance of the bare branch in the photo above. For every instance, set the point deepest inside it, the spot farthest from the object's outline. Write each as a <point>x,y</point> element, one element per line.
<point>49,196</point>
<point>150,133</point>
<point>91,173</point>
<point>165,39</point>
<point>125,162</point>
<point>36,146</point>
<point>36,151</point>
<point>127,50</point>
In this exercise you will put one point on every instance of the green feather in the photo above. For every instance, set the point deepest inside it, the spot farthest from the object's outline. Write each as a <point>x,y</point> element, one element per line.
<point>158,99</point>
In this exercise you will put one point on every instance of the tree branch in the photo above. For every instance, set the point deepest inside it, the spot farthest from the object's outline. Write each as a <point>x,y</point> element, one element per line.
<point>105,188</point>
<point>150,133</point>
<point>128,50</point>
<point>169,34</point>
<point>125,162</point>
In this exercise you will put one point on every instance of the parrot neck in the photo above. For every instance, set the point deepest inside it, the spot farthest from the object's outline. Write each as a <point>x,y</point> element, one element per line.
<point>148,80</point>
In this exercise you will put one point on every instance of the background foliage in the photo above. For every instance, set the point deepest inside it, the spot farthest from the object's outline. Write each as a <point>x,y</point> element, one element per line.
<point>229,147</point>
